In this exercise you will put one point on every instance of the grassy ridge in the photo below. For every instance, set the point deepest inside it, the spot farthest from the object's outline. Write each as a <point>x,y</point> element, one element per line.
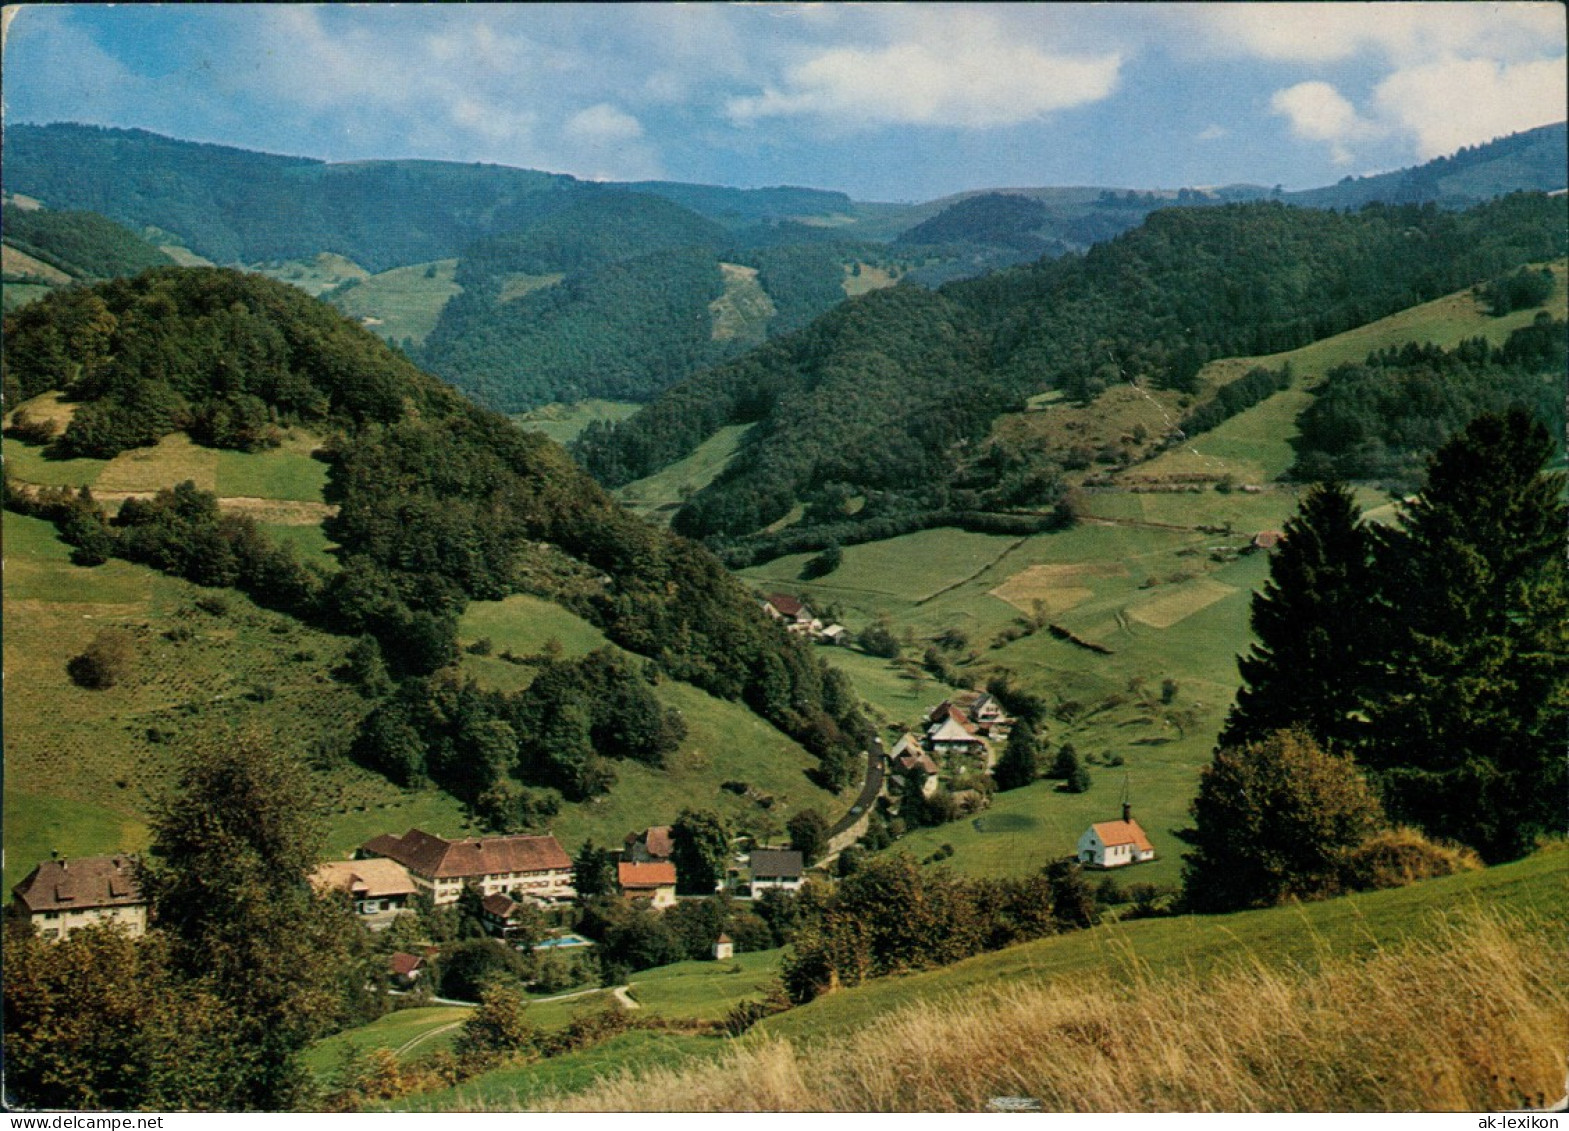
<point>1468,1019</point>
<point>1297,966</point>
<point>562,422</point>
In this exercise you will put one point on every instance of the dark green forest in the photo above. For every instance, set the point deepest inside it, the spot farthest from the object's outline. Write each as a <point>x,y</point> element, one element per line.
<point>84,245</point>
<point>891,396</point>
<point>1383,418</point>
<point>631,317</point>
<point>440,502</point>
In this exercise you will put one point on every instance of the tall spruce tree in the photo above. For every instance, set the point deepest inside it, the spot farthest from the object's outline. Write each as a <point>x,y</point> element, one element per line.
<point>1314,627</point>
<point>1472,700</point>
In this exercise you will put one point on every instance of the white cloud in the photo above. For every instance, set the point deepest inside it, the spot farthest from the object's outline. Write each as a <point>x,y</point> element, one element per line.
<point>1455,102</point>
<point>948,74</point>
<point>1212,132</point>
<point>1319,112</point>
<point>1402,32</point>
<point>603,124</point>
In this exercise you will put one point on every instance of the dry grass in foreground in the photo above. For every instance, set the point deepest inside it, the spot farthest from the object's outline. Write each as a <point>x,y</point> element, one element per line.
<point>1474,1018</point>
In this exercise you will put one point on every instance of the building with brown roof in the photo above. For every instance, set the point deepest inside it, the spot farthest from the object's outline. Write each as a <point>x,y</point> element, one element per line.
<point>1115,844</point>
<point>405,968</point>
<point>654,881</point>
<point>534,866</point>
<point>380,888</point>
<point>651,844</point>
<point>61,896</point>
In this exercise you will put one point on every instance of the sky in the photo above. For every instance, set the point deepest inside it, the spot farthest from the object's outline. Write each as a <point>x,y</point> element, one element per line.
<point>888,102</point>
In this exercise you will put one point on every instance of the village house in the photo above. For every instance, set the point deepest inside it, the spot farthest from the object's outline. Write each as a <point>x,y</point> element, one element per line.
<point>908,761</point>
<point>405,969</point>
<point>776,868</point>
<point>61,896</point>
<point>655,882</point>
<point>501,914</point>
<point>792,613</point>
<point>1115,844</point>
<point>835,634</point>
<point>648,846</point>
<point>531,866</point>
<point>724,947</point>
<point>949,732</point>
<point>381,889</point>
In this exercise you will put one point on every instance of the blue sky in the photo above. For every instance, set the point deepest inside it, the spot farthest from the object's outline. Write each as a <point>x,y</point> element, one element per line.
<point>884,101</point>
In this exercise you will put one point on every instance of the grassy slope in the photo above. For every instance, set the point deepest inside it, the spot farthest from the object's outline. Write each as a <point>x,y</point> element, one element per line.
<point>1142,953</point>
<point>562,422</point>
<point>1150,949</point>
<point>402,303</point>
<point>81,767</point>
<point>725,741</point>
<point>684,992</point>
<point>659,495</point>
<point>1255,446</point>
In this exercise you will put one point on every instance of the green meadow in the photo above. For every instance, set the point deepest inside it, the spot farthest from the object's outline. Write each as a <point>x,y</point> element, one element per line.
<point>403,303</point>
<point>660,494</point>
<point>562,422</point>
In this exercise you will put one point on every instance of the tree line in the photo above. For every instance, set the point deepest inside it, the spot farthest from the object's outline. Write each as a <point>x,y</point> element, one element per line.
<point>1419,671</point>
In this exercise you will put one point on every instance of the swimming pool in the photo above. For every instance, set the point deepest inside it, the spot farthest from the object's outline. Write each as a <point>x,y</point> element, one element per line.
<point>562,942</point>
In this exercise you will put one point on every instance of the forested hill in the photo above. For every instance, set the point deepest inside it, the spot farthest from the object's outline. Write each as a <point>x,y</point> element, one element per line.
<point>1533,160</point>
<point>239,206</point>
<point>83,245</point>
<point>439,502</point>
<point>889,400</point>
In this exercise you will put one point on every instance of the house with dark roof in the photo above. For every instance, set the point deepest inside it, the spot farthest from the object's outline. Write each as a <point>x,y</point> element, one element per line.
<point>792,613</point>
<point>780,869</point>
<point>405,968</point>
<point>724,947</point>
<point>654,881</point>
<point>61,896</point>
<point>651,844</point>
<point>532,866</point>
<point>380,888</point>
<point>1115,844</point>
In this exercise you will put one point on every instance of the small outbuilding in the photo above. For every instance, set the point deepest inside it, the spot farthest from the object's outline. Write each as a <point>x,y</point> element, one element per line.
<point>724,947</point>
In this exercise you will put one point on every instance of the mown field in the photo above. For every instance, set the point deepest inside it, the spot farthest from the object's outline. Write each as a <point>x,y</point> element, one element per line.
<point>403,303</point>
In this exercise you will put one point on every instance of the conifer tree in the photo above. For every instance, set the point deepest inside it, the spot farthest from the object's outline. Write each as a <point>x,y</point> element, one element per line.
<point>1020,761</point>
<point>1312,619</point>
<point>1472,698</point>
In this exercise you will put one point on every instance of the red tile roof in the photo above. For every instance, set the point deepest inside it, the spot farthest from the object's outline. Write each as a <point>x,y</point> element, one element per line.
<point>404,965</point>
<point>442,859</point>
<point>657,841</point>
<point>73,885</point>
<point>1122,832</point>
<point>498,905</point>
<point>658,874</point>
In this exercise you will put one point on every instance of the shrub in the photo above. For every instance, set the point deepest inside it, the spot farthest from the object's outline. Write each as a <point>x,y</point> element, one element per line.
<point>1401,856</point>
<point>106,661</point>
